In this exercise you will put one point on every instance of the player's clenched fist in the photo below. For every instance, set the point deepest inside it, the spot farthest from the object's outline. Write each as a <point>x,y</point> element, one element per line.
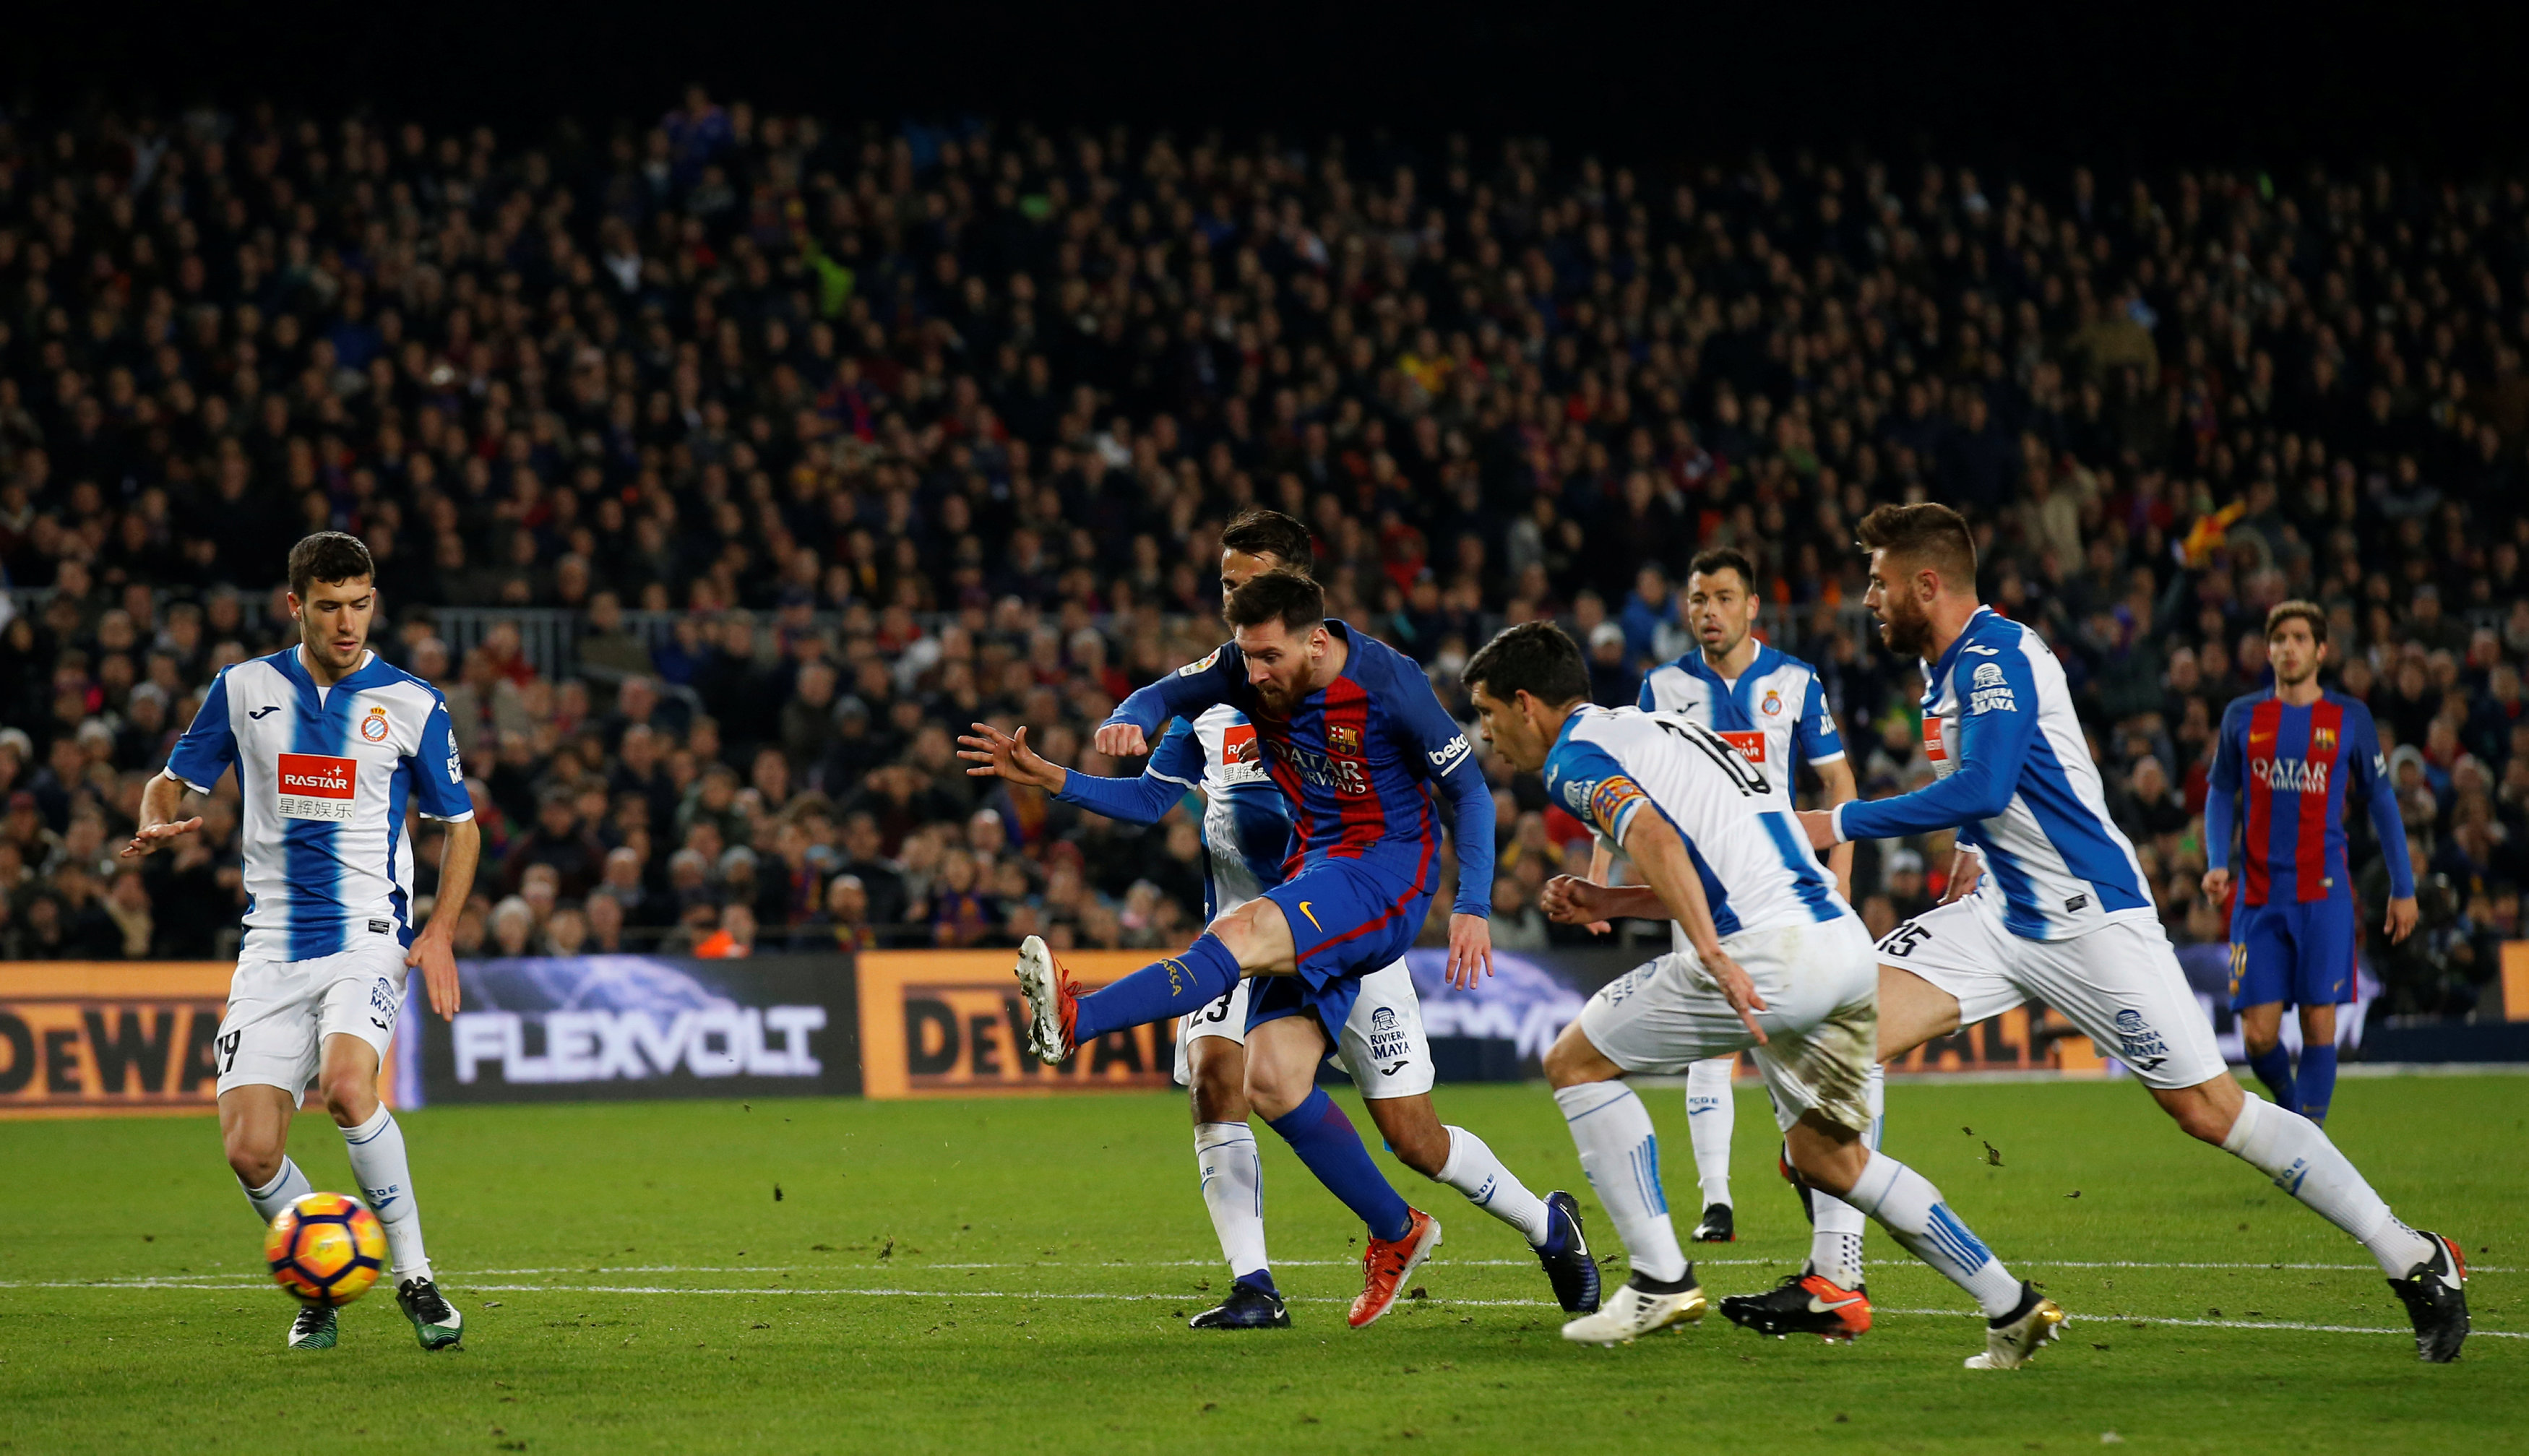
<point>1122,740</point>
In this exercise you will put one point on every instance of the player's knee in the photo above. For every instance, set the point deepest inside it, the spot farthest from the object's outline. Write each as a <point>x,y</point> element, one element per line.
<point>255,1160</point>
<point>350,1095</point>
<point>1572,1060</point>
<point>1218,1092</point>
<point>1272,1096</point>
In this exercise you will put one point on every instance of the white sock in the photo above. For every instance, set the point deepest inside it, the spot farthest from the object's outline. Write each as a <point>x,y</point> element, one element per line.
<point>1233,1191</point>
<point>1620,1155</point>
<point>378,1162</point>
<point>2288,1148</point>
<point>1835,1232</point>
<point>1475,1172</point>
<point>287,1187</point>
<point>1909,1207</point>
<point>1707,1122</point>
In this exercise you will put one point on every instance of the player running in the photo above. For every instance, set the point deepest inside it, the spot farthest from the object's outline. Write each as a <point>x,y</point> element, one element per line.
<point>2060,911</point>
<point>1777,964</point>
<point>330,744</point>
<point>1246,834</point>
<point>2291,929</point>
<point>1769,705</point>
<point>1353,735</point>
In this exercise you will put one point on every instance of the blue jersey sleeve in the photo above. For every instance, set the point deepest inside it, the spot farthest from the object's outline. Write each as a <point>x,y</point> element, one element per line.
<point>1426,729</point>
<point>1175,770</point>
<point>1815,737</point>
<point>438,772</point>
<point>1648,698</point>
<point>2370,767</point>
<point>209,746</point>
<point>1185,692</point>
<point>2221,799</point>
<point>2000,721</point>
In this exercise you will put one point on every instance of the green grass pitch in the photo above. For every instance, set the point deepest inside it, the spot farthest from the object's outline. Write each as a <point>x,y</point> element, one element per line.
<point>1010,1276</point>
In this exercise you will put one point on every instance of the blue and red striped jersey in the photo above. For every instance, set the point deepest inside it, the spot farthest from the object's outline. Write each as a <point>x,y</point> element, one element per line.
<point>1358,759</point>
<point>2296,767</point>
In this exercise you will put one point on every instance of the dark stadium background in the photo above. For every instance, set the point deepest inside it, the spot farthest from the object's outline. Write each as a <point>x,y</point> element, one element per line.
<point>2424,104</point>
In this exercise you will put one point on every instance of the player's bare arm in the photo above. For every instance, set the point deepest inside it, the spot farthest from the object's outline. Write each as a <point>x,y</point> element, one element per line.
<point>1656,851</point>
<point>999,755</point>
<point>1836,786</point>
<point>160,827</point>
<point>1569,900</point>
<point>434,951</point>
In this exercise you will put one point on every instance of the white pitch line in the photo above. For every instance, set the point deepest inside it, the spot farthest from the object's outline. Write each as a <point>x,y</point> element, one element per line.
<point>956,1294</point>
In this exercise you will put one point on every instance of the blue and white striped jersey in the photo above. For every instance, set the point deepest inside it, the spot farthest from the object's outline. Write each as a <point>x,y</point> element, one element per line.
<point>1774,713</point>
<point>1608,763</point>
<point>2016,779</point>
<point>324,775</point>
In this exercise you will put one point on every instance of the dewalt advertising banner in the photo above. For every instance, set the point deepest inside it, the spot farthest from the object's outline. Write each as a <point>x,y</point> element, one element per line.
<point>952,1023</point>
<point>87,1037</point>
<point>109,1036</point>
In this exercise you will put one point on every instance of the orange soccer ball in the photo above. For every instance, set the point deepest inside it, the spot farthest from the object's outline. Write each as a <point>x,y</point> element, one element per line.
<point>326,1248</point>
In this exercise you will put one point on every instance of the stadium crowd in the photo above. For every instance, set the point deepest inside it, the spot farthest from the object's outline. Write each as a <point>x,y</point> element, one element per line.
<point>836,439</point>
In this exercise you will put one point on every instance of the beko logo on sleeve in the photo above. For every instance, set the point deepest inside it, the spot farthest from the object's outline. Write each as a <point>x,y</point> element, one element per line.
<point>1447,753</point>
<point>317,785</point>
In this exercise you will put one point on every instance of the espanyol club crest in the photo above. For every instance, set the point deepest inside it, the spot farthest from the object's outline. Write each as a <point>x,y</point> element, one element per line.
<point>1773,704</point>
<point>374,727</point>
<point>1343,737</point>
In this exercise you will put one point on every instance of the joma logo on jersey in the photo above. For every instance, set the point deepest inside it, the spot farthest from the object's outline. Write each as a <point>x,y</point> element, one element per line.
<point>2290,774</point>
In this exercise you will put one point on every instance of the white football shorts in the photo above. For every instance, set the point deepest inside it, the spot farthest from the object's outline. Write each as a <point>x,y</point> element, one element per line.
<point>1385,1047</point>
<point>280,1012</point>
<point>1821,985</point>
<point>2120,984</point>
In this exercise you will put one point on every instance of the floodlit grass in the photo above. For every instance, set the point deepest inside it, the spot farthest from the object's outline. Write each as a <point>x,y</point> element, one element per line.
<point>1011,1275</point>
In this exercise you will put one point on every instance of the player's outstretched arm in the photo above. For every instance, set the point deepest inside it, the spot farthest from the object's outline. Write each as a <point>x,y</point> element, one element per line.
<point>1656,851</point>
<point>159,825</point>
<point>1993,745</point>
<point>1174,771</point>
<point>435,949</point>
<point>1568,900</point>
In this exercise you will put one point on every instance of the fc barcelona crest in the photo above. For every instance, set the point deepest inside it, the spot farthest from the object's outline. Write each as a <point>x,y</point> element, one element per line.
<point>2322,742</point>
<point>1343,737</point>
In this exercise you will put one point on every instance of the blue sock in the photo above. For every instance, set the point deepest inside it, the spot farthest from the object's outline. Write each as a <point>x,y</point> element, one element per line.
<point>1324,1137</point>
<point>2317,1081</point>
<point>1155,993</point>
<point>1262,1279</point>
<point>2274,1069</point>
